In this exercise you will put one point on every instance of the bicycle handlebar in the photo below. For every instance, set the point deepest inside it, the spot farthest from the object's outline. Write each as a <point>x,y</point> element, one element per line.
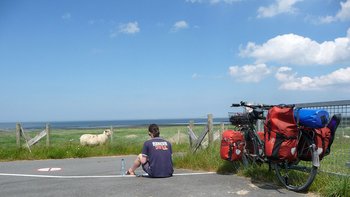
<point>261,106</point>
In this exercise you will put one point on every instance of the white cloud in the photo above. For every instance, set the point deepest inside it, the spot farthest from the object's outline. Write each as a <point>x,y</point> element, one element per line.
<point>129,28</point>
<point>279,7</point>
<point>179,25</point>
<point>249,73</point>
<point>66,16</point>
<point>290,80</point>
<point>299,50</point>
<point>209,77</point>
<point>195,76</point>
<point>342,15</point>
<point>325,19</point>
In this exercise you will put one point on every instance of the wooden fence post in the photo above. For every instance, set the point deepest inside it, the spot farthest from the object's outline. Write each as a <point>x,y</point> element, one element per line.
<point>222,125</point>
<point>18,135</point>
<point>210,128</point>
<point>47,134</point>
<point>191,127</point>
<point>111,134</point>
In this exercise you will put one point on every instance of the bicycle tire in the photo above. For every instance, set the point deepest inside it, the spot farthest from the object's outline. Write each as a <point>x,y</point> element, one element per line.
<point>298,176</point>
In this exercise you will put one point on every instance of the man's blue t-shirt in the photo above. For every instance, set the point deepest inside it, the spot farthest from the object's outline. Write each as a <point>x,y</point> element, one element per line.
<point>159,153</point>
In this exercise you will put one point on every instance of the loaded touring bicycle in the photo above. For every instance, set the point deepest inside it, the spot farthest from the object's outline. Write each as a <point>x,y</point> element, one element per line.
<point>293,142</point>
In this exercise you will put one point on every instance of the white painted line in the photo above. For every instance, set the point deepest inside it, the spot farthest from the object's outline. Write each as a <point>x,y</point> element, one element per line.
<point>55,169</point>
<point>48,169</point>
<point>94,176</point>
<point>43,169</point>
<point>60,177</point>
<point>194,173</point>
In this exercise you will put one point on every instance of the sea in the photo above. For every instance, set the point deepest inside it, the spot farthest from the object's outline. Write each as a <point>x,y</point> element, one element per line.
<point>9,126</point>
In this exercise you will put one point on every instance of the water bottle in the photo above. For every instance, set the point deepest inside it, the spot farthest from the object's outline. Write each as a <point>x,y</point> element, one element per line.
<point>123,167</point>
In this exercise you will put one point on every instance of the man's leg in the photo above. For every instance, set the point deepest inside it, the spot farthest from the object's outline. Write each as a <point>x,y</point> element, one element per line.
<point>137,164</point>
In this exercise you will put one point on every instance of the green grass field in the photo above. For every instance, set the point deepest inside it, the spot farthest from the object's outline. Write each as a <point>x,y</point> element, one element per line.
<point>65,144</point>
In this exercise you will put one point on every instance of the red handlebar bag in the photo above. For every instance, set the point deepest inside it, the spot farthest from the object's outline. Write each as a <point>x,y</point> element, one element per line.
<point>281,134</point>
<point>232,145</point>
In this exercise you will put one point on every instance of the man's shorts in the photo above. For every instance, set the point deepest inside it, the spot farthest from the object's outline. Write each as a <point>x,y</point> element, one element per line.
<point>147,168</point>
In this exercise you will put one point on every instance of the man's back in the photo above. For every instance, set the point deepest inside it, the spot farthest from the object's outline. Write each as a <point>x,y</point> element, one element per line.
<point>159,153</point>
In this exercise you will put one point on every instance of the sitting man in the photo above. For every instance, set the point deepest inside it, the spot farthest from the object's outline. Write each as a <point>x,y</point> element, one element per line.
<point>156,156</point>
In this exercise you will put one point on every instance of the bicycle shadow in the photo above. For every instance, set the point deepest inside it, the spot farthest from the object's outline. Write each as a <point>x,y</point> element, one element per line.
<point>268,186</point>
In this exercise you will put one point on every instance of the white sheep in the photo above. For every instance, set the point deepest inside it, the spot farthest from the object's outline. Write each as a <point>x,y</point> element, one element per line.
<point>93,140</point>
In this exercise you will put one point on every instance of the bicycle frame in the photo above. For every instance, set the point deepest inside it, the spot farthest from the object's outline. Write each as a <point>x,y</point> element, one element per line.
<point>245,122</point>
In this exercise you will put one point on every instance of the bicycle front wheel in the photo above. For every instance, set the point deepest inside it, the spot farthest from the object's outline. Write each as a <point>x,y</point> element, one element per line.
<point>253,151</point>
<point>298,176</point>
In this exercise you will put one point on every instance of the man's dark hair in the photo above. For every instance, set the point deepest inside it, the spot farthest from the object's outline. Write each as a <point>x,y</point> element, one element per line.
<point>154,129</point>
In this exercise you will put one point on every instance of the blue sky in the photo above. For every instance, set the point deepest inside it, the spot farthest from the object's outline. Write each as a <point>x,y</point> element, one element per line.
<point>128,59</point>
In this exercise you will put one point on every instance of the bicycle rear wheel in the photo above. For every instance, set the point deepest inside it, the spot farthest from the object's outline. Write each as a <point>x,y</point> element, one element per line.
<point>298,176</point>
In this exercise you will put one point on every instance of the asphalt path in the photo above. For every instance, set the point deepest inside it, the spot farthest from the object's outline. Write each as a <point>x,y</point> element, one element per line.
<point>102,176</point>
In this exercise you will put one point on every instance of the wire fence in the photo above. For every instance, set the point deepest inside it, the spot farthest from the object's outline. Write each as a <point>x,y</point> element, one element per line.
<point>338,162</point>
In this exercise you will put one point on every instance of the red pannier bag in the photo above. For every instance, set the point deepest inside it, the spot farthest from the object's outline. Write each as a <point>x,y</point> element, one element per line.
<point>281,134</point>
<point>232,145</point>
<point>322,138</point>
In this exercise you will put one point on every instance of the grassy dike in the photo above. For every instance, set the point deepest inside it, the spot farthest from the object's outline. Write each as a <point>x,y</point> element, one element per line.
<point>65,144</point>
